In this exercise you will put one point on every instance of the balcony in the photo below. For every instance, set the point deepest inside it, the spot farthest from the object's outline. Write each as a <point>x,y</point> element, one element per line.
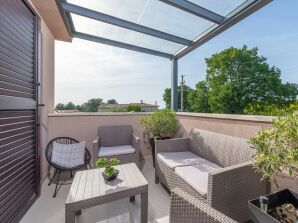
<point>28,31</point>
<point>49,209</point>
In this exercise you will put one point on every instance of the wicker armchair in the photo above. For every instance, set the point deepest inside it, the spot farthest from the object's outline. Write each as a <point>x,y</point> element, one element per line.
<point>228,188</point>
<point>59,169</point>
<point>185,208</point>
<point>118,142</point>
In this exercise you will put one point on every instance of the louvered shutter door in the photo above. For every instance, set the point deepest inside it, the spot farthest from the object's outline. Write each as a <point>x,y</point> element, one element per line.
<point>19,180</point>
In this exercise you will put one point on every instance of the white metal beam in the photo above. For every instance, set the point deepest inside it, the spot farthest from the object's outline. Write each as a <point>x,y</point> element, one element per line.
<point>174,85</point>
<point>195,10</point>
<point>243,11</point>
<point>121,45</point>
<point>123,23</point>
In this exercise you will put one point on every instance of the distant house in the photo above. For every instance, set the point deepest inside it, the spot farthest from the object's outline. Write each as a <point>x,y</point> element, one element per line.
<point>145,107</point>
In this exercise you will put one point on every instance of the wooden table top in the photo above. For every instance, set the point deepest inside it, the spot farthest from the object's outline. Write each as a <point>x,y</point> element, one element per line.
<point>90,184</point>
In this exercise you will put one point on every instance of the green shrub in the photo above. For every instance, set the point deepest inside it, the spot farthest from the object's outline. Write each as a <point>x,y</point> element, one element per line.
<point>162,123</point>
<point>134,108</point>
<point>271,109</point>
<point>117,110</point>
<point>277,148</point>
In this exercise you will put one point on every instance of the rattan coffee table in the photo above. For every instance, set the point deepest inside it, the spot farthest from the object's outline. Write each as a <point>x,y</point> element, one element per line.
<point>89,189</point>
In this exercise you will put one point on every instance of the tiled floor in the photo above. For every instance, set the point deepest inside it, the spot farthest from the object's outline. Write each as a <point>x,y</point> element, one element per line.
<point>51,210</point>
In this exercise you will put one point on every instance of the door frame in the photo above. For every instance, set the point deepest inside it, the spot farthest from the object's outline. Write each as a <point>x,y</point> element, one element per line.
<point>37,70</point>
<point>35,105</point>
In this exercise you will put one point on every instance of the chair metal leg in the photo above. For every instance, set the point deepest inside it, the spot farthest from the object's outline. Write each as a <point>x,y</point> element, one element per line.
<point>52,177</point>
<point>56,188</point>
<point>70,174</point>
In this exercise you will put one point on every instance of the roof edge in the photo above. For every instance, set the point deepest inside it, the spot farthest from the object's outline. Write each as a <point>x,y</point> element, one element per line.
<point>50,14</point>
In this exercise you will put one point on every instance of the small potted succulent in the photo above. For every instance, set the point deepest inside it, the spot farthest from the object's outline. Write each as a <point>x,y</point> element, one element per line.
<point>162,124</point>
<point>277,153</point>
<point>110,173</point>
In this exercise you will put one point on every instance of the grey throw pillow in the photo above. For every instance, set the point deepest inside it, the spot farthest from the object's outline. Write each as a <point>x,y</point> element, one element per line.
<point>68,155</point>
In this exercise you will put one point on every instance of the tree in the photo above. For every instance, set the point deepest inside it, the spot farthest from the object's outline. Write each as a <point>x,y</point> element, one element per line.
<point>198,98</point>
<point>289,92</point>
<point>70,106</point>
<point>167,97</point>
<point>60,106</point>
<point>238,78</point>
<point>134,108</point>
<point>112,101</point>
<point>79,108</point>
<point>91,105</point>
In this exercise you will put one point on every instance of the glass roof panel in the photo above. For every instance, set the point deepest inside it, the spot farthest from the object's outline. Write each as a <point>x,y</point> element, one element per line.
<point>151,13</point>
<point>96,28</point>
<point>221,7</point>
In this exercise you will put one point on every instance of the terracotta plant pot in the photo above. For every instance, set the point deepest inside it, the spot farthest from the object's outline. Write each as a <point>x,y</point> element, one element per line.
<point>275,200</point>
<point>110,178</point>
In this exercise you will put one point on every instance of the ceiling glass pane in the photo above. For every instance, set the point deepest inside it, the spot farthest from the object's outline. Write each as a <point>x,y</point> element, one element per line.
<point>96,28</point>
<point>151,13</point>
<point>221,7</point>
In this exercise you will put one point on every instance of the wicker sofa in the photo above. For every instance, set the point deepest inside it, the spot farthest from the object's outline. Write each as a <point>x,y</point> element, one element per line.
<point>116,141</point>
<point>211,168</point>
<point>185,208</point>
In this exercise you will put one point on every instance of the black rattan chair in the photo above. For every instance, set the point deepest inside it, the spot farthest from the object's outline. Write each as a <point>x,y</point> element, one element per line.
<point>59,169</point>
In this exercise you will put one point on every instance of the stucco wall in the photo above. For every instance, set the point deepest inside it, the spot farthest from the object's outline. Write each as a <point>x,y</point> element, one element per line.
<point>243,126</point>
<point>84,126</point>
<point>46,90</point>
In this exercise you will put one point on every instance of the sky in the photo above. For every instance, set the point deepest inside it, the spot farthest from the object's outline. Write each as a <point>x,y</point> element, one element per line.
<point>87,70</point>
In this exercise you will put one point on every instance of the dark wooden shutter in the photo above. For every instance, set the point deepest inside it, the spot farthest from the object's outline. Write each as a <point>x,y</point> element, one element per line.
<point>19,168</point>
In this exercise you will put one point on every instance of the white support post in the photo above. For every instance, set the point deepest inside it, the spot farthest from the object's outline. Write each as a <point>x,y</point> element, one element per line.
<point>174,85</point>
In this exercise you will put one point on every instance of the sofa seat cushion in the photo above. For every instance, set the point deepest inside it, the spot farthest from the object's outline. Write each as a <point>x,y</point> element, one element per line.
<point>116,150</point>
<point>176,159</point>
<point>197,175</point>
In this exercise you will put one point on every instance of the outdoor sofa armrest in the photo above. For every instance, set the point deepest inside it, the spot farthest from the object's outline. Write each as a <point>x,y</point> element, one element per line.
<point>185,208</point>
<point>230,188</point>
<point>172,145</point>
<point>135,142</point>
<point>96,146</point>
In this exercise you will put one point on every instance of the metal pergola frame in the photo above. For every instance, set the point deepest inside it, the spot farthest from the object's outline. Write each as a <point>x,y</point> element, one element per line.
<point>221,24</point>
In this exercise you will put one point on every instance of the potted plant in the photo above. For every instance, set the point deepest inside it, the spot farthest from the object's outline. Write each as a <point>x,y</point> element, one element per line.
<point>277,153</point>
<point>110,173</point>
<point>162,124</point>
